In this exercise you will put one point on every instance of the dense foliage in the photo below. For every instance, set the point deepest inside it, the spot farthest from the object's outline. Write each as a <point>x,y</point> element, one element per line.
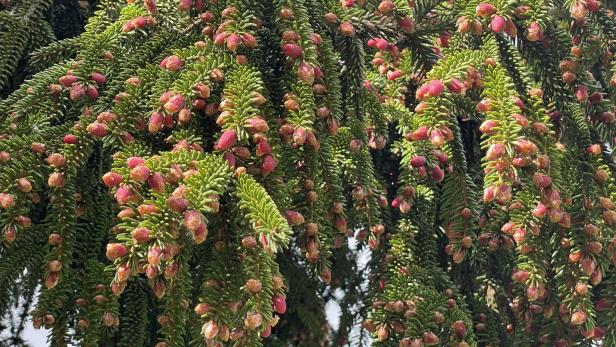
<point>29,34</point>
<point>212,172</point>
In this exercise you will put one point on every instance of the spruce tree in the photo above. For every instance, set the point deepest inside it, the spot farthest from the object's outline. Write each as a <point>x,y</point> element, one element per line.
<point>212,172</point>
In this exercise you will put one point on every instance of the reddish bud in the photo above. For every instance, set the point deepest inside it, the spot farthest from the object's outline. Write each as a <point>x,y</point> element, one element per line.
<point>263,148</point>
<point>155,123</point>
<point>54,239</point>
<point>249,40</point>
<point>596,277</point>
<point>140,173</point>
<point>540,211</point>
<point>488,127</point>
<point>595,98</point>
<point>290,36</point>
<point>485,10</point>
<point>407,25</point>
<point>525,147</point>
<point>70,139</point>
<point>268,165</point>
<point>286,13</point>
<point>569,77</point>
<point>609,217</point>
<point>386,7</point>
<point>510,28</point>
<point>256,125</point>
<point>253,286</point>
<point>77,92</point>
<point>521,120</point>
<point>520,276</point>
<point>177,204</point>
<point>495,151</point>
<point>192,219</point>
<point>97,129</point>
<point>56,180</point>
<point>419,135</point>
<point>519,235</point>
<point>437,173</point>
<point>542,180</point>
<point>316,39</point>
<point>233,41</point>
<point>67,80</point>
<point>488,194</point>
<point>534,32</point>
<point>23,185</point>
<point>382,333</point>
<point>330,18</point>
<point>483,106</point>
<point>124,195</point>
<point>497,24</point>
<point>253,320</point>
<point>594,149</point>
<point>456,86</point>
<point>92,92</point>
<point>56,160</point>
<point>347,29</point>
<point>116,250</point>
<point>140,235</point>
<point>4,157</point>
<point>430,339</point>
<point>10,233</point>
<point>200,234</point>
<point>393,75</point>
<point>98,78</point>
<point>292,50</point>
<point>593,5</point>
<point>578,318</point>
<point>581,93</point>
<point>435,88</point>
<point>294,218</point>
<point>226,140</point>
<point>305,72</point>
<point>38,148</point>
<point>418,161</point>
<point>157,182</point>
<point>463,25</point>
<point>133,162</point>
<point>51,280</point>
<point>579,10</point>
<point>459,329</point>
<point>588,265</point>
<point>210,329</point>
<point>202,308</point>
<point>112,179</point>
<point>175,104</point>
<point>279,304</point>
<point>6,200</point>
